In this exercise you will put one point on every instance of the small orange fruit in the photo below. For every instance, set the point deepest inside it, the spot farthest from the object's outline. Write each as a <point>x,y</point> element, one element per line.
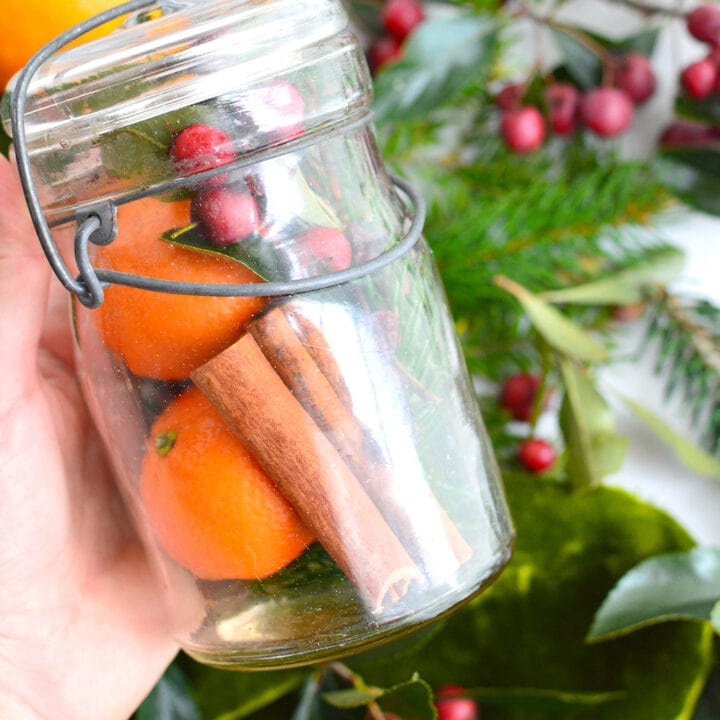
<point>33,23</point>
<point>213,509</point>
<point>157,334</point>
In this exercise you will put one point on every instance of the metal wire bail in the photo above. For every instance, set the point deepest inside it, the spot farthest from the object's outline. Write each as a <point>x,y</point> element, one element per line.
<point>98,224</point>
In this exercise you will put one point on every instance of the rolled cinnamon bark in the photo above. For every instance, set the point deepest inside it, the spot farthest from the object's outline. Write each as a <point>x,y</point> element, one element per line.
<point>419,521</point>
<point>295,453</point>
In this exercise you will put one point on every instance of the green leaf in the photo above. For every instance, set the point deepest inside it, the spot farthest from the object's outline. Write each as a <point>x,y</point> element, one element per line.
<point>253,251</point>
<point>693,175</point>
<point>528,630</point>
<point>627,287</point>
<point>674,586</point>
<point>561,333</point>
<point>583,64</point>
<point>411,700</point>
<point>643,42</point>
<point>5,142</point>
<point>594,448</point>
<point>541,698</point>
<point>715,617</point>
<point>170,699</point>
<point>693,456</point>
<point>442,57</point>
<point>230,696</point>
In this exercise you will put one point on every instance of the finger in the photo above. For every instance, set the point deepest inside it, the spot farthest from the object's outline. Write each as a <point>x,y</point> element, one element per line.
<point>24,276</point>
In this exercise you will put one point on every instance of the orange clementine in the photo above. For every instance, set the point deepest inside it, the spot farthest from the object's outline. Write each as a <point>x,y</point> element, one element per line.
<point>157,334</point>
<point>30,24</point>
<point>213,509</point>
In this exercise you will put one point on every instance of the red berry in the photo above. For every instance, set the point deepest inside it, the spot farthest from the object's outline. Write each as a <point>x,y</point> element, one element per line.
<point>401,17</point>
<point>383,51</point>
<point>523,129</point>
<point>452,706</point>
<point>563,101</point>
<point>636,77</point>
<point>536,455</point>
<point>700,78</point>
<point>510,97</point>
<point>703,23</point>
<point>329,245</point>
<point>200,147</point>
<point>277,108</point>
<point>518,395</point>
<point>226,216</point>
<point>686,134</point>
<point>607,111</point>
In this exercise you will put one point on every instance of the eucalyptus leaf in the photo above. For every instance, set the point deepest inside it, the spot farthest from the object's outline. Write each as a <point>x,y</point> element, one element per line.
<point>583,64</point>
<point>673,586</point>
<point>528,630</point>
<point>697,459</point>
<point>627,286</point>
<point>594,449</point>
<point>441,58</point>
<point>560,332</point>
<point>170,699</point>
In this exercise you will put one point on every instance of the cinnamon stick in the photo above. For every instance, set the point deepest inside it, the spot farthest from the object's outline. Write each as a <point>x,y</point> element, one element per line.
<point>412,511</point>
<point>299,458</point>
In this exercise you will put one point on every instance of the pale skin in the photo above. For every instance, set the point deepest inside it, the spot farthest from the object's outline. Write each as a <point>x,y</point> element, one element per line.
<point>83,634</point>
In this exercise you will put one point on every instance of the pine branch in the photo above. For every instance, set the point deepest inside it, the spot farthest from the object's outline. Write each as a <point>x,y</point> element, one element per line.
<point>688,354</point>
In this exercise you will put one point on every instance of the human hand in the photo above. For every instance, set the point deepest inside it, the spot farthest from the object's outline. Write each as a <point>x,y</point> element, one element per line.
<point>82,630</point>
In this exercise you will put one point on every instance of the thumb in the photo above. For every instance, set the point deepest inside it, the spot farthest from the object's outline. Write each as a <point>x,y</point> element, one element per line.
<point>24,276</point>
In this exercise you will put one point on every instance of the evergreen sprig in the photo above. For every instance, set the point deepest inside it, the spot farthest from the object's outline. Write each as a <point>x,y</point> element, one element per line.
<point>686,335</point>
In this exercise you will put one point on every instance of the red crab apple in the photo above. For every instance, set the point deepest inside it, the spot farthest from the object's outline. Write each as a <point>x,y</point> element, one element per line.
<point>536,455</point>
<point>703,23</point>
<point>401,17</point>
<point>518,395</point>
<point>700,78</point>
<point>200,147</point>
<point>225,216</point>
<point>451,705</point>
<point>510,96</point>
<point>385,50</point>
<point>607,111</point>
<point>328,245</point>
<point>523,130</point>
<point>563,100</point>
<point>636,77</point>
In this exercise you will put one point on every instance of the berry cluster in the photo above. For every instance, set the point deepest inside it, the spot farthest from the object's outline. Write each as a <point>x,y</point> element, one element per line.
<point>399,19</point>
<point>225,206</point>
<point>519,396</point>
<point>700,78</point>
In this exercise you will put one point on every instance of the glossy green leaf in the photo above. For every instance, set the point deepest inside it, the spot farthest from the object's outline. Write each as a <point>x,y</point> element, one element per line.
<point>170,699</point>
<point>528,630</point>
<point>583,64</point>
<point>643,42</point>
<point>352,697</point>
<point>230,696</point>
<point>693,175</point>
<point>626,287</point>
<point>541,699</point>
<point>697,459</point>
<point>594,449</point>
<point>442,57</point>
<point>673,586</point>
<point>560,332</point>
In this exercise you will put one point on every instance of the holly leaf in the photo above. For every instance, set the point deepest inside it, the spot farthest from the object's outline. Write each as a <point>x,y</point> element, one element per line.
<point>626,287</point>
<point>594,449</point>
<point>441,58</point>
<point>528,630</point>
<point>557,330</point>
<point>170,699</point>
<point>674,586</point>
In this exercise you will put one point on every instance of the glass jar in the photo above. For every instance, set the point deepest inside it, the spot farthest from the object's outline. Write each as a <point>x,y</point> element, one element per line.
<point>262,337</point>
